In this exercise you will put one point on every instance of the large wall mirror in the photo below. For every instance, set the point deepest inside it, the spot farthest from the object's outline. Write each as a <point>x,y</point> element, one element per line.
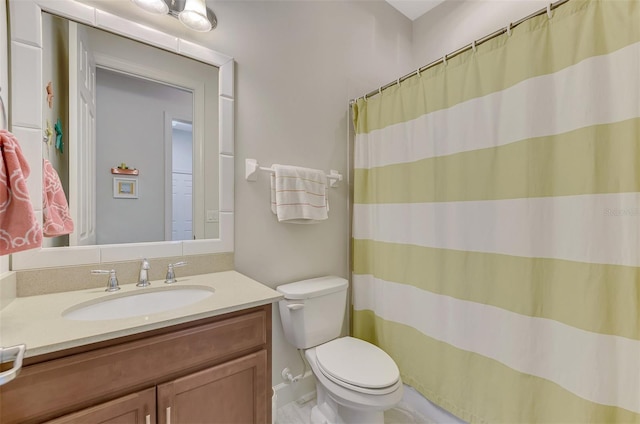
<point>136,105</point>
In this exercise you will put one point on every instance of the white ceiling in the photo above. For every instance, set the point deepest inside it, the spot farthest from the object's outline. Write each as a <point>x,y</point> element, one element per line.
<point>413,9</point>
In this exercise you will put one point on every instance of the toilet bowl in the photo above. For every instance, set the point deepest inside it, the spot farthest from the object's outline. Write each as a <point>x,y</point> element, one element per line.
<point>358,384</point>
<point>355,380</point>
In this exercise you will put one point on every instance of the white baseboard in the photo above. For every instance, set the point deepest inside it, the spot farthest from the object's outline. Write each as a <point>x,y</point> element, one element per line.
<point>301,391</point>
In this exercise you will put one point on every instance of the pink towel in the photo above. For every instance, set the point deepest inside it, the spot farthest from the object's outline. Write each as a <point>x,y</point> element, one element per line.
<point>55,209</point>
<point>19,229</point>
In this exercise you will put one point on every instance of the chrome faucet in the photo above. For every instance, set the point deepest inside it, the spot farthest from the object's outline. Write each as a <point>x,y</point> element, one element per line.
<point>143,279</point>
<point>171,275</point>
<point>112,285</point>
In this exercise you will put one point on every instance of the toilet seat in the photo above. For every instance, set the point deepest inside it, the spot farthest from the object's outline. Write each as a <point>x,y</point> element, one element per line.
<point>357,365</point>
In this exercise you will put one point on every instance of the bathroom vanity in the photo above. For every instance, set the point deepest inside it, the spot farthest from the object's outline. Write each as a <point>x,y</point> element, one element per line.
<point>209,362</point>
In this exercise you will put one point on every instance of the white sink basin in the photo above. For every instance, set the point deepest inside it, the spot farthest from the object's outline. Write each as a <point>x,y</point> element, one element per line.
<point>145,301</point>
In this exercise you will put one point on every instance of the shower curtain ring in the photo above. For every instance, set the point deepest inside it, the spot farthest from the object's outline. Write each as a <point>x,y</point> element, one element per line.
<point>444,60</point>
<point>473,46</point>
<point>509,29</point>
<point>549,10</point>
<point>398,81</point>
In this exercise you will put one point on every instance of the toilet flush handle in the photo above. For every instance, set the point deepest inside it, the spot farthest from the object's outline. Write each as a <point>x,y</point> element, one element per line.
<point>295,306</point>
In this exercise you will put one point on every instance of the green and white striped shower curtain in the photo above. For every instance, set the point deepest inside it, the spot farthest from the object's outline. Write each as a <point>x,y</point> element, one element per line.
<point>496,231</point>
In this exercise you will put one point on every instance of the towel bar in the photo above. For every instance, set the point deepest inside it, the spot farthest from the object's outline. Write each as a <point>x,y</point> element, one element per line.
<point>252,167</point>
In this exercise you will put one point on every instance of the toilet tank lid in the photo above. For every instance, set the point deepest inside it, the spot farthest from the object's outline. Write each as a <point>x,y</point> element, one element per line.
<point>313,287</point>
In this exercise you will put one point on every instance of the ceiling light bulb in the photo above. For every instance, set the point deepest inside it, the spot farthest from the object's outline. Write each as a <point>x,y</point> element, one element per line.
<point>194,16</point>
<point>153,6</point>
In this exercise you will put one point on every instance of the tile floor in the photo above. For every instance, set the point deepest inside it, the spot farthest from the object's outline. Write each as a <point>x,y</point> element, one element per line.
<point>293,413</point>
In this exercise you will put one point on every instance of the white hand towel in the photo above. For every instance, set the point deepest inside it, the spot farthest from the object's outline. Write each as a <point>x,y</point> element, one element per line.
<point>299,195</point>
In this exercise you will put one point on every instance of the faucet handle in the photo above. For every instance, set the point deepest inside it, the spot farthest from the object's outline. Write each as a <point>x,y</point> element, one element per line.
<point>143,279</point>
<point>171,275</point>
<point>112,285</point>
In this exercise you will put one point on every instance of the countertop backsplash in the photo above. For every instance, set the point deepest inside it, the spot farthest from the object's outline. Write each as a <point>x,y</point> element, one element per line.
<point>7,288</point>
<point>54,280</point>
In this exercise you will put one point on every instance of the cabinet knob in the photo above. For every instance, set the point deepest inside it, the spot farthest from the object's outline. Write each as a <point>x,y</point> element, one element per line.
<point>168,415</point>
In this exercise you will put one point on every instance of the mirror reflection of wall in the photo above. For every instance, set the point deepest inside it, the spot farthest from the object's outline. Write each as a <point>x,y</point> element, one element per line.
<point>134,132</point>
<point>55,69</point>
<point>130,129</point>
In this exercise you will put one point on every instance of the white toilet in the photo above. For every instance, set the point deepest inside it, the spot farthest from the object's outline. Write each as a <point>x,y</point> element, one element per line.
<point>355,380</point>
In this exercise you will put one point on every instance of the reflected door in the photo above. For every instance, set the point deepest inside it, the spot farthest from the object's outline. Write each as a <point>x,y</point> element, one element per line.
<point>182,201</point>
<point>82,137</point>
<point>179,141</point>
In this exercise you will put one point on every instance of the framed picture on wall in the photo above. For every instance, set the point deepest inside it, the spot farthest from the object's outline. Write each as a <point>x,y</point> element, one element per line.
<point>125,188</point>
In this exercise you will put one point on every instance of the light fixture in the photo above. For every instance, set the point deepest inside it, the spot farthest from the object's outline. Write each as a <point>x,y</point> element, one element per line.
<point>153,6</point>
<point>194,16</point>
<point>192,13</point>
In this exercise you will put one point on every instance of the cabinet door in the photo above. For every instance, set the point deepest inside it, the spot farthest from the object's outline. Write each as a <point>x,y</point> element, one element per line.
<point>136,408</point>
<point>231,393</point>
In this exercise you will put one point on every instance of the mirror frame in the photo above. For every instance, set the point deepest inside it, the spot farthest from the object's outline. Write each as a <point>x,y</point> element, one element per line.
<point>26,125</point>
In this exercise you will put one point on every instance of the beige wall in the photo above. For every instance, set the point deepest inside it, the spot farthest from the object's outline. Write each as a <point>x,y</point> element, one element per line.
<point>456,23</point>
<point>298,64</point>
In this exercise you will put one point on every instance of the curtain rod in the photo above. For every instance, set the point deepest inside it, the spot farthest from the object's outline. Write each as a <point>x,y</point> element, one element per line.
<point>471,46</point>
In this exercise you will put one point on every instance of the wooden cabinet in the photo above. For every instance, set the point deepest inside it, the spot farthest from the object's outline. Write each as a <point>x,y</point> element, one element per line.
<point>217,395</point>
<point>136,408</point>
<point>216,370</point>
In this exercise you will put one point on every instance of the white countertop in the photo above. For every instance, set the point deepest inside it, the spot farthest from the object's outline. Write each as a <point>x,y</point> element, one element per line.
<point>37,320</point>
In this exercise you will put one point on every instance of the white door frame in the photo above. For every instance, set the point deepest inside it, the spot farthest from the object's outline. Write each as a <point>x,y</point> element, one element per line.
<point>168,173</point>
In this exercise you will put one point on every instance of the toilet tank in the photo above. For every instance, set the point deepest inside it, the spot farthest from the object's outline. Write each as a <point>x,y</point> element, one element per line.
<point>313,311</point>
